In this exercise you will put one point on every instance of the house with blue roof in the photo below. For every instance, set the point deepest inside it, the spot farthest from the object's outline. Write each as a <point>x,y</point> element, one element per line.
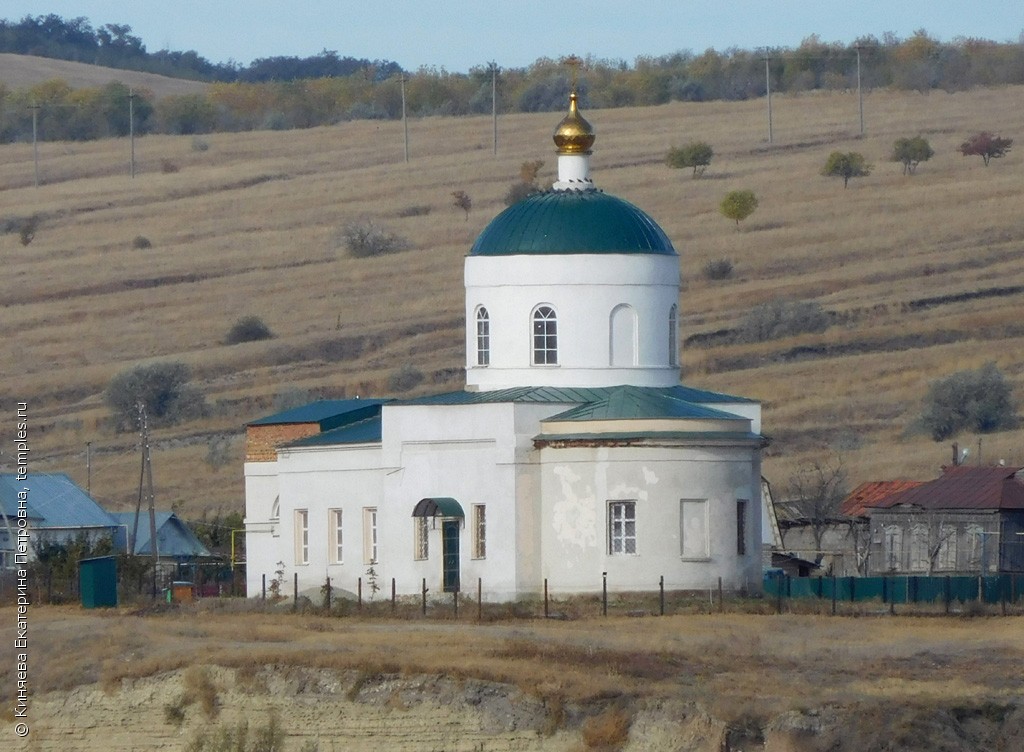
<point>175,542</point>
<point>55,509</point>
<point>573,457</point>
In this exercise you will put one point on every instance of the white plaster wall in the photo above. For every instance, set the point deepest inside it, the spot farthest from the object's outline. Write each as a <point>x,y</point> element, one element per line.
<point>578,483</point>
<point>261,489</point>
<point>583,289</point>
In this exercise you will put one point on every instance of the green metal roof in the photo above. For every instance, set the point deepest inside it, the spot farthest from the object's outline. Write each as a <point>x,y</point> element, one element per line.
<point>654,436</point>
<point>438,506</point>
<point>327,413</point>
<point>366,431</point>
<point>573,395</point>
<point>631,402</point>
<point>561,222</point>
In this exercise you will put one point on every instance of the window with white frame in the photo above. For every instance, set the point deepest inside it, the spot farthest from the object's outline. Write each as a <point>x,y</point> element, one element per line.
<point>975,539</point>
<point>421,539</point>
<point>483,337</point>
<point>946,558</point>
<point>479,531</point>
<point>673,336</point>
<point>892,543</point>
<point>545,336</point>
<point>302,536</point>
<point>919,548</point>
<point>370,535</point>
<point>622,527</point>
<point>334,536</point>
<point>741,527</point>
<point>693,528</point>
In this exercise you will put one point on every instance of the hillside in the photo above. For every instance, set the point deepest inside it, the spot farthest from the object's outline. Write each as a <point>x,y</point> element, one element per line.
<point>921,273</point>
<point>23,71</point>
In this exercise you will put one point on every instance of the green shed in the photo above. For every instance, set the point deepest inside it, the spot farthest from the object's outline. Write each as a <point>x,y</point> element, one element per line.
<point>97,579</point>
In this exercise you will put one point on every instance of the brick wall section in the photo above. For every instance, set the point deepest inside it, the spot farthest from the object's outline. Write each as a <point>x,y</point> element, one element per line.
<point>261,442</point>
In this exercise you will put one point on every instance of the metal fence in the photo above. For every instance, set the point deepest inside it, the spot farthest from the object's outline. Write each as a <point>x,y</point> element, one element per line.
<point>991,589</point>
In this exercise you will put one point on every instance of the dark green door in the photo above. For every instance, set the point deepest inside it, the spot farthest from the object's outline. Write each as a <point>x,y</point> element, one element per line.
<point>450,555</point>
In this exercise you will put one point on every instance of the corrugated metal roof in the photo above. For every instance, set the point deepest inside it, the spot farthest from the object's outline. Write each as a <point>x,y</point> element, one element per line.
<point>366,431</point>
<point>563,222</point>
<point>630,402</point>
<point>174,539</point>
<point>327,413</point>
<point>55,501</point>
<point>964,487</point>
<point>869,494</point>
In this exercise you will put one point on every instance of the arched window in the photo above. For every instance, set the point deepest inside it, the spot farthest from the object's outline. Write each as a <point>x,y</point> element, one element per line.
<point>893,550</point>
<point>673,336</point>
<point>483,337</point>
<point>275,509</point>
<point>623,336</point>
<point>545,336</point>
<point>919,554</point>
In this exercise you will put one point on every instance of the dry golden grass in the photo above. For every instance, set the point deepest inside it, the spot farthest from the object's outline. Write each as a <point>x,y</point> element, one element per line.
<point>23,71</point>
<point>726,662</point>
<point>250,226</point>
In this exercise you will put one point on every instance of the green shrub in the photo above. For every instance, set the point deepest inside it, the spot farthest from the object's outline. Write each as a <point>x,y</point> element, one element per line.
<point>980,400</point>
<point>738,205</point>
<point>248,329</point>
<point>141,242</point>
<point>696,154</point>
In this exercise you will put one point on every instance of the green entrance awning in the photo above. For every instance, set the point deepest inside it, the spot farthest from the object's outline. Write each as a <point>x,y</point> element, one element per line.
<point>438,506</point>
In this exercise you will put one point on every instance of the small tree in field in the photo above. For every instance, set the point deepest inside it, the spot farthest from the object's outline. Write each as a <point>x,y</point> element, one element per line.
<point>461,200</point>
<point>738,205</point>
<point>986,145</point>
<point>980,400</point>
<point>911,152</point>
<point>697,155</point>
<point>846,165</point>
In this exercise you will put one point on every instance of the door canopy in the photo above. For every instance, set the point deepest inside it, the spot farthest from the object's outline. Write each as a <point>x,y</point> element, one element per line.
<point>439,506</point>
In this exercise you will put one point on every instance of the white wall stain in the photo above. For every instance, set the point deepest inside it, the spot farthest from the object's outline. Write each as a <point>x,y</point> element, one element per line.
<point>573,516</point>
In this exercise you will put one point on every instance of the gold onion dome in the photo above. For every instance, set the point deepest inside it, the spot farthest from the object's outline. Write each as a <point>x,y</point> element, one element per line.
<point>574,135</point>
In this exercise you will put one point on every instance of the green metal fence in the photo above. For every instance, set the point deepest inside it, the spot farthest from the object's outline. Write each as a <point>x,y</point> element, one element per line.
<point>1006,588</point>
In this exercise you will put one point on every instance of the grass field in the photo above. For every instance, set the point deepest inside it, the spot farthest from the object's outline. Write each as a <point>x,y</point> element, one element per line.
<point>24,71</point>
<point>921,272</point>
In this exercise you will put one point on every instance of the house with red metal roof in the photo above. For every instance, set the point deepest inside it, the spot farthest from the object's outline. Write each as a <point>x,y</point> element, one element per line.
<point>969,520</point>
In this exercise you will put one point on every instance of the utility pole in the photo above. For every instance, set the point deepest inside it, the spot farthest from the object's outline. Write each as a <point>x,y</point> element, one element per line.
<point>860,93</point>
<point>494,103</point>
<point>768,88</point>
<point>35,140</point>
<point>146,475</point>
<point>405,120</point>
<point>131,130</point>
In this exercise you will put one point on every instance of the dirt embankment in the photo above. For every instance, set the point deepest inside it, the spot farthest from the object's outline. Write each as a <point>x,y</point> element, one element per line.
<point>321,709</point>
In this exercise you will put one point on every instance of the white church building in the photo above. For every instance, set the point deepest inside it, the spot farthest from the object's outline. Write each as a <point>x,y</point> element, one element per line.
<point>572,454</point>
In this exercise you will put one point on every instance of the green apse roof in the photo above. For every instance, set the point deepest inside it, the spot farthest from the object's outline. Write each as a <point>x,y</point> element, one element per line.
<point>560,222</point>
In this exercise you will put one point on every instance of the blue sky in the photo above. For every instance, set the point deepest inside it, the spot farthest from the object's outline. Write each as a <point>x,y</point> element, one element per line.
<point>459,34</point>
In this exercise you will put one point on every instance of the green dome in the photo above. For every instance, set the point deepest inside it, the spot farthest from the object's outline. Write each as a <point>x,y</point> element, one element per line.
<point>559,222</point>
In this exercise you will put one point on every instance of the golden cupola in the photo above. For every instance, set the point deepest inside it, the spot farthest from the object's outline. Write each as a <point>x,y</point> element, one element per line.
<point>574,135</point>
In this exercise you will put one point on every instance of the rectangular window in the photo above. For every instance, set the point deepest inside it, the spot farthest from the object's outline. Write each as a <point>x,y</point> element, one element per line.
<point>483,338</point>
<point>946,558</point>
<point>302,536</point>
<point>741,527</point>
<point>370,535</point>
<point>334,536</point>
<point>479,531</point>
<point>693,528</point>
<point>622,527</point>
<point>421,542</point>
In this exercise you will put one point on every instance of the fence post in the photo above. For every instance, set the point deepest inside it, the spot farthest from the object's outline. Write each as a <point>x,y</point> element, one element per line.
<point>721,598</point>
<point>295,591</point>
<point>479,598</point>
<point>394,599</point>
<point>455,602</point>
<point>604,593</point>
<point>545,597</point>
<point>833,595</point>
<point>947,593</point>
<point>327,598</point>
<point>264,587</point>
<point>853,585</point>
<point>783,581</point>
<point>424,596</point>
<point>661,594</point>
<point>359,593</point>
